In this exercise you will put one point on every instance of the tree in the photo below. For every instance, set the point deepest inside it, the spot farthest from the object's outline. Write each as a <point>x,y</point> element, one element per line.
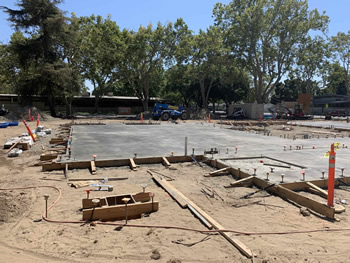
<point>42,22</point>
<point>147,52</point>
<point>7,73</point>
<point>263,34</point>
<point>340,46</point>
<point>335,80</point>
<point>101,49</point>
<point>232,86</point>
<point>207,59</point>
<point>312,55</point>
<point>178,85</point>
<point>68,76</point>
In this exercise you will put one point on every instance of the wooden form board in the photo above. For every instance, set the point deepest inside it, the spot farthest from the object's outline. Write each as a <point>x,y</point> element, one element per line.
<point>118,212</point>
<point>301,200</point>
<point>281,191</point>
<point>48,156</point>
<point>54,165</point>
<point>284,192</point>
<point>57,140</point>
<point>322,183</point>
<point>98,179</point>
<point>138,197</point>
<point>24,145</point>
<point>231,238</point>
<point>170,190</point>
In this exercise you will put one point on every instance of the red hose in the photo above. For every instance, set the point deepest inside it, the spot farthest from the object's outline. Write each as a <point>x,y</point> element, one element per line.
<point>164,226</point>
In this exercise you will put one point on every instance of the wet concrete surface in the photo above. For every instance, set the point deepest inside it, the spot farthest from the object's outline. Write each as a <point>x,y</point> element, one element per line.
<point>115,141</point>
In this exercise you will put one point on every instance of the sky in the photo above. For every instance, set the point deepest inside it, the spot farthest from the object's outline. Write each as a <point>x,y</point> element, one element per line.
<point>197,14</point>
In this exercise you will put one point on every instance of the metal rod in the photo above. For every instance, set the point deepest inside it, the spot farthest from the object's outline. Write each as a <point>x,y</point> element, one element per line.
<point>185,146</point>
<point>46,199</point>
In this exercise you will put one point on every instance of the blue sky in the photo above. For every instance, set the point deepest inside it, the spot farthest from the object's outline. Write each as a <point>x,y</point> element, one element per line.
<point>196,13</point>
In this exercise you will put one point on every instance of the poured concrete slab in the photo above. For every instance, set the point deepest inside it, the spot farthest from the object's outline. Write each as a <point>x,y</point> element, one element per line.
<point>115,141</point>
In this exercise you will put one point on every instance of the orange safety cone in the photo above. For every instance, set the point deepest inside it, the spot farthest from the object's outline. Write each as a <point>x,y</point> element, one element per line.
<point>37,120</point>
<point>331,173</point>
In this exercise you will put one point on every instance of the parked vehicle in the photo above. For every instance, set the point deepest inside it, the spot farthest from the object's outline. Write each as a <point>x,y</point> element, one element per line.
<point>338,113</point>
<point>283,112</point>
<point>165,111</point>
<point>238,113</point>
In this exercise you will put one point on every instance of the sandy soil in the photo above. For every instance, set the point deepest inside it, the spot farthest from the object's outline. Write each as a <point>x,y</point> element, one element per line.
<point>24,238</point>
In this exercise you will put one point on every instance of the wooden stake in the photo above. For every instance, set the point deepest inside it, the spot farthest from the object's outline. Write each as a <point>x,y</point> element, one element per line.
<point>166,162</point>
<point>218,171</point>
<point>132,164</point>
<point>321,192</point>
<point>239,182</point>
<point>93,167</point>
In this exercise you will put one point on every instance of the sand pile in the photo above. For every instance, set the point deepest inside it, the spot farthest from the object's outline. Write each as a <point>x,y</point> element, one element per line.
<point>23,112</point>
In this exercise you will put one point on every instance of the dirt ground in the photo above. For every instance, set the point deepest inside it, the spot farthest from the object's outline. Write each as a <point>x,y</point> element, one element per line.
<point>26,238</point>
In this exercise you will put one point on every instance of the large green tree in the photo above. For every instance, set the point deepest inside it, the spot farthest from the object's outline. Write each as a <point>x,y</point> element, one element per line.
<point>7,70</point>
<point>68,76</point>
<point>43,23</point>
<point>340,46</point>
<point>178,85</point>
<point>263,35</point>
<point>312,60</point>
<point>207,59</point>
<point>334,80</point>
<point>147,52</point>
<point>101,50</point>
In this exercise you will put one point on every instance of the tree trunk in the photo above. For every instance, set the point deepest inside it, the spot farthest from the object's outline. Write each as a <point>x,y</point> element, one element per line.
<point>97,100</point>
<point>346,80</point>
<point>145,104</point>
<point>204,102</point>
<point>51,102</point>
<point>259,86</point>
<point>227,104</point>
<point>68,102</point>
<point>145,97</point>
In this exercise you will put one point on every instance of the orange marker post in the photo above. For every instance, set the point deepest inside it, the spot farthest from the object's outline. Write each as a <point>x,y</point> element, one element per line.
<point>209,118</point>
<point>29,131</point>
<point>331,173</point>
<point>37,120</point>
<point>29,115</point>
<point>141,117</point>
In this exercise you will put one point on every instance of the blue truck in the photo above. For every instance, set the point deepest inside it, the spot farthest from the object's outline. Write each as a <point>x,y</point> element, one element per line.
<point>165,112</point>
